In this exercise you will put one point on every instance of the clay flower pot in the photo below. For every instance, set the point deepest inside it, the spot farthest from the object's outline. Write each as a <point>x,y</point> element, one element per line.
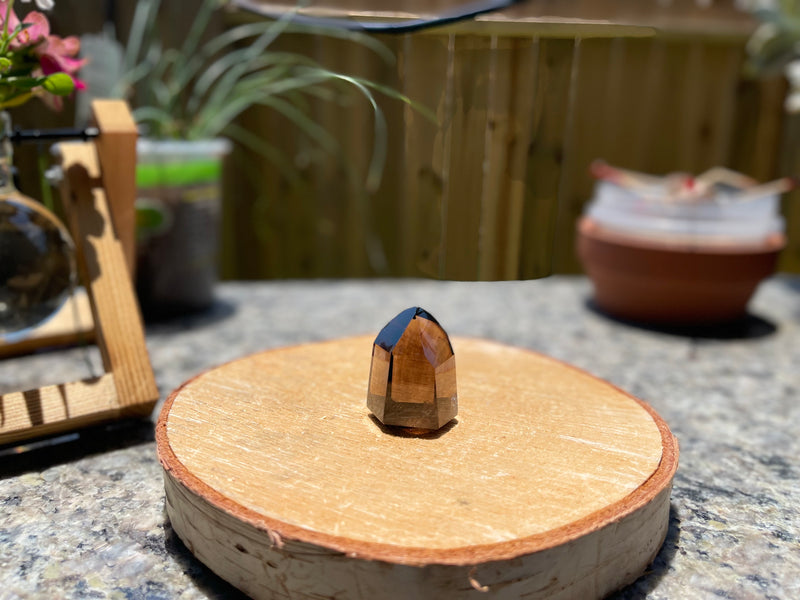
<point>679,250</point>
<point>673,283</point>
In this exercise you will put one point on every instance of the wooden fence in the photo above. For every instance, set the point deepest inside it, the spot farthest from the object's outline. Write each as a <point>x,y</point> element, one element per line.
<point>492,189</point>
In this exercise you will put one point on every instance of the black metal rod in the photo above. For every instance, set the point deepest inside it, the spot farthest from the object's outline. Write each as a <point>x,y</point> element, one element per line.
<point>19,136</point>
<point>462,13</point>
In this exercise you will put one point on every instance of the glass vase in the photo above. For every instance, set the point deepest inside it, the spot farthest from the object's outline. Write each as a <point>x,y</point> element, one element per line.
<point>37,258</point>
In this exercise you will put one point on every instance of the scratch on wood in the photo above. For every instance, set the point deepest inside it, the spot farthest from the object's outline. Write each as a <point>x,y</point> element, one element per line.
<point>474,582</point>
<point>275,539</point>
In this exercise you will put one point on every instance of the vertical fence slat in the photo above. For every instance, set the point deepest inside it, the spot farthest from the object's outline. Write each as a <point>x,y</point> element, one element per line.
<point>512,81</point>
<point>466,135</point>
<point>690,107</point>
<point>383,206</point>
<point>758,122</point>
<point>727,64</point>
<point>545,155</point>
<point>424,61</point>
<point>495,139</point>
<point>525,72</point>
<point>645,60</point>
<point>602,127</point>
<point>790,163</point>
<point>331,178</point>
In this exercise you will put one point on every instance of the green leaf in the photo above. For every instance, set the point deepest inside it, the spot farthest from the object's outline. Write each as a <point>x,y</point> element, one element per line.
<point>357,37</point>
<point>199,26</point>
<point>395,95</point>
<point>142,30</point>
<point>15,100</point>
<point>142,71</point>
<point>25,83</point>
<point>233,75</point>
<point>379,147</point>
<point>151,219</point>
<point>217,69</point>
<point>266,33</point>
<point>248,92</point>
<point>235,35</point>
<point>160,123</point>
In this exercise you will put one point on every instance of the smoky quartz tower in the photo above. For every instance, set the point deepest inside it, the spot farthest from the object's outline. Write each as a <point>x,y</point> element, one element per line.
<point>412,379</point>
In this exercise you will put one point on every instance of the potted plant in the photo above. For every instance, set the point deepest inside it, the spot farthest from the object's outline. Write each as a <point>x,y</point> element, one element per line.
<point>187,100</point>
<point>678,249</point>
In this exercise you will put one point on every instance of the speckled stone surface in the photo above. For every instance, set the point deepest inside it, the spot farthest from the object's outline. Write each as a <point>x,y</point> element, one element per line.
<point>85,518</point>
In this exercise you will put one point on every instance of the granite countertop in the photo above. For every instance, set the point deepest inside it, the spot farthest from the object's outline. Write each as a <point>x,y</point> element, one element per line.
<point>85,517</point>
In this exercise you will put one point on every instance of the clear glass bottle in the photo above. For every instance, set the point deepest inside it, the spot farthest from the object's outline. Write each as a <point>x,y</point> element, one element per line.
<point>37,258</point>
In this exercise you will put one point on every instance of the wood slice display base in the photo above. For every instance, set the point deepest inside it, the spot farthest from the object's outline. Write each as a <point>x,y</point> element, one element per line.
<point>550,483</point>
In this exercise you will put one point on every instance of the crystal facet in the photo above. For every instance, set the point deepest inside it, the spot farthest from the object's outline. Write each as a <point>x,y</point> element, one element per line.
<point>412,379</point>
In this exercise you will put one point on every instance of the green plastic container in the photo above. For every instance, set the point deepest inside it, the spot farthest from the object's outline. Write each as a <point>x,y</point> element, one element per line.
<point>178,218</point>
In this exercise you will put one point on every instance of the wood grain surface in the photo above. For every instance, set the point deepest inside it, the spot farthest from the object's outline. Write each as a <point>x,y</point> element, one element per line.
<point>56,408</point>
<point>116,148</point>
<point>115,309</point>
<point>550,482</point>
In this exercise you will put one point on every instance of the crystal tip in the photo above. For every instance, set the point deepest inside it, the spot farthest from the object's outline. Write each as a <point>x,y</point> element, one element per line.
<point>390,334</point>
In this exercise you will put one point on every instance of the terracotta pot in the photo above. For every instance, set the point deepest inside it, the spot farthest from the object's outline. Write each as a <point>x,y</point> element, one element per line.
<point>659,281</point>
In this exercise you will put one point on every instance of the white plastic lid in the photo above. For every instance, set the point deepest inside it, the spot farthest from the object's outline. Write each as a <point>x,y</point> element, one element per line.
<point>182,149</point>
<point>647,212</point>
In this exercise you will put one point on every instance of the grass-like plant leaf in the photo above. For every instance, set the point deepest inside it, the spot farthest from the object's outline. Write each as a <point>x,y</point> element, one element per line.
<point>200,90</point>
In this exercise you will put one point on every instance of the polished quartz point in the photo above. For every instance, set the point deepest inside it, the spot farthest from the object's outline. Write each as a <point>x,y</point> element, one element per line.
<point>412,379</point>
<point>36,265</point>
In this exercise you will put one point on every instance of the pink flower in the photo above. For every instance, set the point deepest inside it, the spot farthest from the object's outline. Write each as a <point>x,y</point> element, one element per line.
<point>38,30</point>
<point>57,55</point>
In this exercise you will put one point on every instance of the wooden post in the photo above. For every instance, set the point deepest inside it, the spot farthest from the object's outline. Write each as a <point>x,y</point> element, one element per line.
<point>116,313</point>
<point>116,147</point>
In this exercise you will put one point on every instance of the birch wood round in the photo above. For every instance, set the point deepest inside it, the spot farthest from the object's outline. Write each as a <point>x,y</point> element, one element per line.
<point>549,483</point>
